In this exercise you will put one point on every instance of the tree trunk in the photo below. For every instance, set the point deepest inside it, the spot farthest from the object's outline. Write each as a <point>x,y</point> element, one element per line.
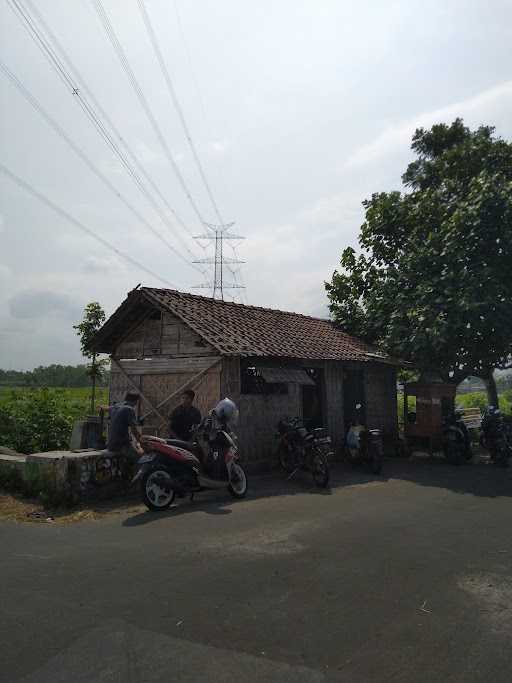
<point>492,391</point>
<point>93,389</point>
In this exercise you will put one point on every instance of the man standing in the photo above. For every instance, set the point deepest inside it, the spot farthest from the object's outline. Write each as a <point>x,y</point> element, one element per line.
<point>123,421</point>
<point>184,417</point>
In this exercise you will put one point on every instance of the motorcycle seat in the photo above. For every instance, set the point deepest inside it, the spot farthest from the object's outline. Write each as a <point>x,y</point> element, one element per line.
<point>193,447</point>
<point>187,445</point>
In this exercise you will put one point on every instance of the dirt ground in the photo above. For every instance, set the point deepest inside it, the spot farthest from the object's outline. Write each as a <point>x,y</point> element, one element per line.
<point>17,508</point>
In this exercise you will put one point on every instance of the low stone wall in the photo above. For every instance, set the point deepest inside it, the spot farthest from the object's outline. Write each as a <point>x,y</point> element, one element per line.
<point>59,475</point>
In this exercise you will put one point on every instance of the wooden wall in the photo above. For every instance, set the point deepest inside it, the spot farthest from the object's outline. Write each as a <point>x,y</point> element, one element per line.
<point>157,378</point>
<point>164,336</point>
<point>259,415</point>
<point>333,401</point>
<point>381,399</point>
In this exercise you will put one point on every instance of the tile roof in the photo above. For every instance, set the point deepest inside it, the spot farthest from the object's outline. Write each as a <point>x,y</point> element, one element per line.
<point>236,329</point>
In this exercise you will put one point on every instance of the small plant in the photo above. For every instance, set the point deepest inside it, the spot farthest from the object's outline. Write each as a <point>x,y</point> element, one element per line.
<point>94,317</point>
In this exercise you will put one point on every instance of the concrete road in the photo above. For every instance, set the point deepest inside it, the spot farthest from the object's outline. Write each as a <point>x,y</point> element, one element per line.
<point>406,577</point>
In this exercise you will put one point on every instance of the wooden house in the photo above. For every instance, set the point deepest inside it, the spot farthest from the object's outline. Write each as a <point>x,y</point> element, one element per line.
<point>272,363</point>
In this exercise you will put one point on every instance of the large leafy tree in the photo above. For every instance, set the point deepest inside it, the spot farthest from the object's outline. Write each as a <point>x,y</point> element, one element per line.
<point>93,319</point>
<point>433,280</point>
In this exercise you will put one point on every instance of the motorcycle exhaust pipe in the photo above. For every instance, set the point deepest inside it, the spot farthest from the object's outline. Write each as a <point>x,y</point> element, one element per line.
<point>207,483</point>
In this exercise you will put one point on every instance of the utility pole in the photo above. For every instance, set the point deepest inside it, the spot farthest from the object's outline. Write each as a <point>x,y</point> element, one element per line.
<point>219,233</point>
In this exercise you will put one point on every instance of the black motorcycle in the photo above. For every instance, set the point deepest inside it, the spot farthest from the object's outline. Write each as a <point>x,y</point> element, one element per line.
<point>303,449</point>
<point>494,437</point>
<point>456,440</point>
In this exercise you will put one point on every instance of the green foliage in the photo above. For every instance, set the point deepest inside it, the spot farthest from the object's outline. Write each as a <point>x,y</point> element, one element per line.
<point>49,376</point>
<point>94,317</point>
<point>433,283</point>
<point>411,405</point>
<point>478,399</point>
<point>33,420</point>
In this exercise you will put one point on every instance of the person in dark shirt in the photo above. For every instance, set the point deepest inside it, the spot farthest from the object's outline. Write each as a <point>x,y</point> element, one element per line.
<point>123,421</point>
<point>184,417</point>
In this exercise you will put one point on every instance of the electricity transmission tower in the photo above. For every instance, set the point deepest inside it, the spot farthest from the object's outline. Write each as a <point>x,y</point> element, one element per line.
<point>219,233</point>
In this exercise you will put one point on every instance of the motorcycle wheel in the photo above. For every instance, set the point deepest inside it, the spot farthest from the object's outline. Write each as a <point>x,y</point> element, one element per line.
<point>320,470</point>
<point>286,459</point>
<point>155,494</point>
<point>238,484</point>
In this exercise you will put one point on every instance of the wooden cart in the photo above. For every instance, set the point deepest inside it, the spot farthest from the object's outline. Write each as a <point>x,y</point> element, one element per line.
<point>423,428</point>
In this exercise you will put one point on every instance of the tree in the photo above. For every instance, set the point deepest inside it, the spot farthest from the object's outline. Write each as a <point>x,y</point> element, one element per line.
<point>433,283</point>
<point>94,317</point>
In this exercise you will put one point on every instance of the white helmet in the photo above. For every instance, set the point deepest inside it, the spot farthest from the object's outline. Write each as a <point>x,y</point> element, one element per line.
<point>227,411</point>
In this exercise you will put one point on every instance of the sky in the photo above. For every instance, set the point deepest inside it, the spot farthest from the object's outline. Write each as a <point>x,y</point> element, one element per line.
<point>298,111</point>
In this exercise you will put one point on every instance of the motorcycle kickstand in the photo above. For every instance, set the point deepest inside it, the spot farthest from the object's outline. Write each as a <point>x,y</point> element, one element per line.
<point>191,499</point>
<point>292,474</point>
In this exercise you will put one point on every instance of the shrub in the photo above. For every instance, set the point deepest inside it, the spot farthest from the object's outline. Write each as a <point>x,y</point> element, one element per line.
<point>35,420</point>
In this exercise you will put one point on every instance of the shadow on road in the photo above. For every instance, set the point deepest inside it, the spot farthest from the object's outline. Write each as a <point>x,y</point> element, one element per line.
<point>480,479</point>
<point>475,479</point>
<point>268,486</point>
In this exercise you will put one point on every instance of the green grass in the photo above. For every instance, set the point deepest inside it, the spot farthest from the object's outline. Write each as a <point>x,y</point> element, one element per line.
<point>77,397</point>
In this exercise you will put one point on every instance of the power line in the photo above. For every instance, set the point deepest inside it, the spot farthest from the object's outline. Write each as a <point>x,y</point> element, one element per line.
<point>203,112</point>
<point>83,86</point>
<point>81,154</point>
<point>218,259</point>
<point>179,110</point>
<point>118,49</point>
<point>71,85</point>
<point>61,212</point>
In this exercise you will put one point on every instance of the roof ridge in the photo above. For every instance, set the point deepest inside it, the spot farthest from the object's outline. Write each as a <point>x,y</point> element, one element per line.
<point>236,303</point>
<point>243,329</point>
<point>260,308</point>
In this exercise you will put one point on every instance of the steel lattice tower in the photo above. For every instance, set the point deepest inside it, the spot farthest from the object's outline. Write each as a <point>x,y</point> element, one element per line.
<point>219,233</point>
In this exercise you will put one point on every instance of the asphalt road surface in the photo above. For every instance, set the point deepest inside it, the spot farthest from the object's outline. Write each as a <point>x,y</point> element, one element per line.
<point>406,577</point>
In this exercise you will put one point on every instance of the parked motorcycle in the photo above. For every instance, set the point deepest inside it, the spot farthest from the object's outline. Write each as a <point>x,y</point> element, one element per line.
<point>171,466</point>
<point>456,441</point>
<point>364,446</point>
<point>301,449</point>
<point>494,437</point>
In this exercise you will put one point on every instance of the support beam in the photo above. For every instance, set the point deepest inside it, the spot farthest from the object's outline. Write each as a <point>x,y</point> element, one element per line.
<point>138,390</point>
<point>187,385</point>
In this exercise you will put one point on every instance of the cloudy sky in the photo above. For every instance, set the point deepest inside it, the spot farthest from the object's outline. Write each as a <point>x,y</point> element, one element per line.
<point>299,109</point>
